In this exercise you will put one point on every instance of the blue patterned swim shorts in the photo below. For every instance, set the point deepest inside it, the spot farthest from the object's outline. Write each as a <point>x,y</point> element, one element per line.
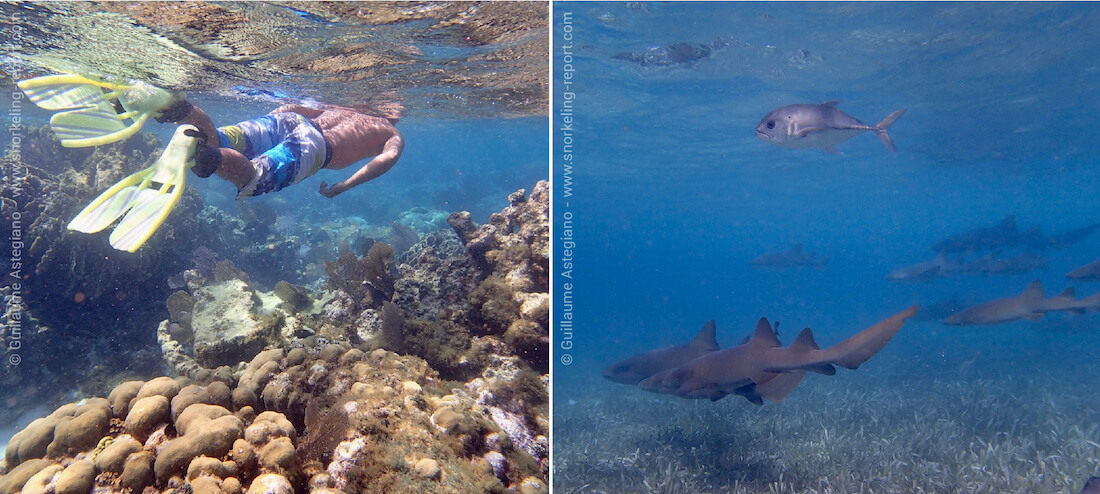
<point>285,148</point>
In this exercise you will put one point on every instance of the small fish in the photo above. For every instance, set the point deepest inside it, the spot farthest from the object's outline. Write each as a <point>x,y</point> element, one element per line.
<point>818,126</point>
<point>794,258</point>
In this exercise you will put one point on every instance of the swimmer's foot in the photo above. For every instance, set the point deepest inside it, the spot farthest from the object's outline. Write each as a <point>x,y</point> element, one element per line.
<point>207,158</point>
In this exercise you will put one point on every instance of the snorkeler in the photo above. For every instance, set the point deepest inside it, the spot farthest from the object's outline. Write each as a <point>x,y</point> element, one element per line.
<point>258,156</point>
<point>290,144</point>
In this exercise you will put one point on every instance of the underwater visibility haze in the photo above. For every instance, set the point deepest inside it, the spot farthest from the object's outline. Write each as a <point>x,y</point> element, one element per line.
<point>393,338</point>
<point>677,204</point>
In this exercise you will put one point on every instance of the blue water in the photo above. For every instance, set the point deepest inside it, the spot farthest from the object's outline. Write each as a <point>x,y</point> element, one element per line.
<point>672,195</point>
<point>469,144</point>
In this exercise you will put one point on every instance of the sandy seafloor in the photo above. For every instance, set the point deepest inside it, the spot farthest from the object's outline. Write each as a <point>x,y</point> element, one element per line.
<point>671,196</point>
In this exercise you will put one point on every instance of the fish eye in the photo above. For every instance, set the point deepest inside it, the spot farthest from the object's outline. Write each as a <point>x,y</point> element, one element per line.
<point>771,124</point>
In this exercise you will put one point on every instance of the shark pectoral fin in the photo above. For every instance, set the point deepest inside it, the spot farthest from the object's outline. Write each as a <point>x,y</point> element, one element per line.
<point>1034,316</point>
<point>749,392</point>
<point>778,388</point>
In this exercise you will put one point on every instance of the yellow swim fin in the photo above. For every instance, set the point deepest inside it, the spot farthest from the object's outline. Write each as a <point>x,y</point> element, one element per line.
<point>146,197</point>
<point>96,112</point>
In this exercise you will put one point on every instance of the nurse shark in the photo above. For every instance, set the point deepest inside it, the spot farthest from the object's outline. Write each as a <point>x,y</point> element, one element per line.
<point>639,367</point>
<point>1031,304</point>
<point>761,368</point>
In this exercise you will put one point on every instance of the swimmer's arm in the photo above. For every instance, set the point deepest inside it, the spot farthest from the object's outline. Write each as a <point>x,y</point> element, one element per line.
<point>370,171</point>
<point>299,109</point>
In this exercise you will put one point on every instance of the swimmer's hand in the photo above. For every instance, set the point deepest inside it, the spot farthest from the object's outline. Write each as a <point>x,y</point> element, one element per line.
<point>332,191</point>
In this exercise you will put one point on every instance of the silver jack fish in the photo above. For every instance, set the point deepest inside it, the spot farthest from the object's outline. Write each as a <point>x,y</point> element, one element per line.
<point>818,126</point>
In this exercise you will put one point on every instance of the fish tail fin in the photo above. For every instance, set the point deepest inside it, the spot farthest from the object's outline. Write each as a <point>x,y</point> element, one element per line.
<point>856,350</point>
<point>880,129</point>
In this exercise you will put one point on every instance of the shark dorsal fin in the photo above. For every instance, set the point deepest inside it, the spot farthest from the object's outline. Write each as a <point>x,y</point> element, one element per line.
<point>1068,293</point>
<point>1034,290</point>
<point>805,341</point>
<point>706,339</point>
<point>764,336</point>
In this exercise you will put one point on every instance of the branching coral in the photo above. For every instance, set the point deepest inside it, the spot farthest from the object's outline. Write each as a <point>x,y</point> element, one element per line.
<point>368,280</point>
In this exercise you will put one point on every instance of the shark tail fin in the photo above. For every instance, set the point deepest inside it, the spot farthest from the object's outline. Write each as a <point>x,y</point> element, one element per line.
<point>880,129</point>
<point>854,351</point>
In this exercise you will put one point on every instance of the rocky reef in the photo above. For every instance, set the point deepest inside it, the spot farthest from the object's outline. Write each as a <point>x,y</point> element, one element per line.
<point>390,425</point>
<point>424,370</point>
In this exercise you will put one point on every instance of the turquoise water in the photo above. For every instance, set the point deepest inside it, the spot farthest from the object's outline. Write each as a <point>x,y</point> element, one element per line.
<point>472,96</point>
<point>672,196</point>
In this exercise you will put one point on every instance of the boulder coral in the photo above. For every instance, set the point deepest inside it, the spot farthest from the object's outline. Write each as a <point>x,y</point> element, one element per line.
<point>401,431</point>
<point>86,446</point>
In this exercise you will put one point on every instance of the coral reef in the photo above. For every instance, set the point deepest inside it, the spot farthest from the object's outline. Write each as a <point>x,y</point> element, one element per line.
<point>391,426</point>
<point>300,389</point>
<point>368,280</point>
<point>513,300</point>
